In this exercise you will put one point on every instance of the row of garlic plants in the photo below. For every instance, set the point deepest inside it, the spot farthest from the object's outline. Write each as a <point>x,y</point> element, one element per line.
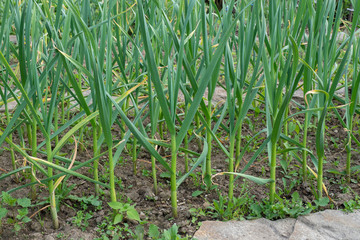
<point>83,64</point>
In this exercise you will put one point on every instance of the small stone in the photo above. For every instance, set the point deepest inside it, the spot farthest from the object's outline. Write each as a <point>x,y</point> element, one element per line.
<point>49,237</point>
<point>133,195</point>
<point>167,225</point>
<point>101,213</point>
<point>187,214</point>
<point>156,223</point>
<point>48,225</point>
<point>206,204</point>
<point>66,227</point>
<point>183,223</point>
<point>149,194</point>
<point>164,195</point>
<point>35,226</point>
<point>341,37</point>
<point>307,188</point>
<point>142,215</point>
<point>35,236</point>
<point>306,199</point>
<point>98,220</point>
<point>344,197</point>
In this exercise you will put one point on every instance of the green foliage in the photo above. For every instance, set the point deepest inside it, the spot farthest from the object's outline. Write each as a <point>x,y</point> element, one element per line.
<point>283,208</point>
<point>154,232</point>
<point>24,202</point>
<point>246,207</point>
<point>169,234</point>
<point>347,9</point>
<point>112,231</point>
<point>22,212</point>
<point>8,199</point>
<point>136,58</point>
<point>225,209</point>
<point>21,218</point>
<point>196,193</point>
<point>82,219</point>
<point>288,185</point>
<point>3,212</point>
<point>197,214</point>
<point>352,205</point>
<point>85,201</point>
<point>108,230</point>
<point>124,210</point>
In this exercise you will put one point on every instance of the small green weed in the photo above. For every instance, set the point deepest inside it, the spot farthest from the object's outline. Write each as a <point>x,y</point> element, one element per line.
<point>21,216</point>
<point>124,210</point>
<point>196,213</point>
<point>82,219</point>
<point>86,201</point>
<point>285,208</point>
<point>237,208</point>
<point>170,234</point>
<point>60,236</point>
<point>109,230</point>
<point>352,204</point>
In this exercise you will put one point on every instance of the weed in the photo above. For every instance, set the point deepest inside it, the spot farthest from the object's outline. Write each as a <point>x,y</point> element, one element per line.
<point>352,204</point>
<point>60,236</point>
<point>196,213</point>
<point>170,234</point>
<point>21,217</point>
<point>226,209</point>
<point>124,210</point>
<point>109,230</point>
<point>146,173</point>
<point>82,219</point>
<point>285,208</point>
<point>85,201</point>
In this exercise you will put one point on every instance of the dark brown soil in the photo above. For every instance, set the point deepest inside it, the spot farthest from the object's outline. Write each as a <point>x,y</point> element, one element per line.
<point>156,209</point>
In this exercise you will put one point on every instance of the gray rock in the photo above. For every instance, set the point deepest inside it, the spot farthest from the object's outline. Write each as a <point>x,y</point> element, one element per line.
<point>11,106</point>
<point>341,37</point>
<point>254,229</point>
<point>326,225</point>
<point>219,96</point>
<point>13,39</point>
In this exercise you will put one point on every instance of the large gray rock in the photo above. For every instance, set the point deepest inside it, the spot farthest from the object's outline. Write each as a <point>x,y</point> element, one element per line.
<point>326,225</point>
<point>329,224</point>
<point>254,229</point>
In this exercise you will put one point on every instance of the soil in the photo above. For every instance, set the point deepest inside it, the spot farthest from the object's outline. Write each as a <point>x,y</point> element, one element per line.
<point>156,209</point>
